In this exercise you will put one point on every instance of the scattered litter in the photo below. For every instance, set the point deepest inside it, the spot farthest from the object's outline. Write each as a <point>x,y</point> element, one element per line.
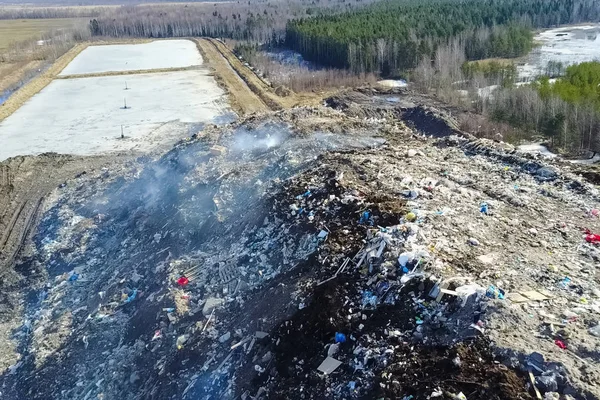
<point>495,293</point>
<point>131,296</point>
<point>595,330</point>
<point>217,150</point>
<point>592,237</point>
<point>535,295</point>
<point>565,282</point>
<point>473,242</point>
<point>329,365</point>
<point>340,337</point>
<point>182,281</point>
<point>225,337</point>
<point>560,344</point>
<point>484,208</point>
<point>260,335</point>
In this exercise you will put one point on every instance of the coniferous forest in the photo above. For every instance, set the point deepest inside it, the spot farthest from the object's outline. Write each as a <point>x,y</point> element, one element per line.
<point>391,36</point>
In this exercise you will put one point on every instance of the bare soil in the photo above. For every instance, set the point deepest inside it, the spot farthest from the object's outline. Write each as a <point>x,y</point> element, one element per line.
<point>242,99</point>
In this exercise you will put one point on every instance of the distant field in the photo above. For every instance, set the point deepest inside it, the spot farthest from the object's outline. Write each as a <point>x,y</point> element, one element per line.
<point>22,29</point>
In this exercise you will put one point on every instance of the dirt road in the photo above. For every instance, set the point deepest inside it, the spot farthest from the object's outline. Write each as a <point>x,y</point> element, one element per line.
<point>225,61</point>
<point>242,99</point>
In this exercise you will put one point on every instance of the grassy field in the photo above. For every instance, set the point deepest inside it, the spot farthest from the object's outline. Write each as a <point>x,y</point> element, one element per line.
<point>23,29</point>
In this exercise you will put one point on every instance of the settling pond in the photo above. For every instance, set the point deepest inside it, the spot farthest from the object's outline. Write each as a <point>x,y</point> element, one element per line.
<point>86,115</point>
<point>568,44</point>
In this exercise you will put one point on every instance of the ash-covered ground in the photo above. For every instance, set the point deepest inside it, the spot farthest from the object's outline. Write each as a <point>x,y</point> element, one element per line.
<point>367,250</point>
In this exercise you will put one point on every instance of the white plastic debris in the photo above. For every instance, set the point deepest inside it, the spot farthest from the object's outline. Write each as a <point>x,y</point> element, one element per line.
<point>329,365</point>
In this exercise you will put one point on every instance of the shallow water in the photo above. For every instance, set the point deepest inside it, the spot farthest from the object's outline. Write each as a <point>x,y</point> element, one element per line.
<point>568,44</point>
<point>4,96</point>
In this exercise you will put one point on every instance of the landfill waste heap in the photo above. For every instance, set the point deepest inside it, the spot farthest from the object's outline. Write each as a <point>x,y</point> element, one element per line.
<point>364,250</point>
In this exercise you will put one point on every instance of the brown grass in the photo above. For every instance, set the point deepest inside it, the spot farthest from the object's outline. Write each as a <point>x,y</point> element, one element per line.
<point>242,99</point>
<point>501,61</point>
<point>19,98</point>
<point>11,74</point>
<point>264,91</point>
<point>132,72</point>
<point>18,30</point>
<point>257,85</point>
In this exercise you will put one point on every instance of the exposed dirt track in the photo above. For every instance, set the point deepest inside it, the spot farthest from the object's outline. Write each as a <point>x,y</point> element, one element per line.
<point>134,72</point>
<point>11,74</point>
<point>266,93</point>
<point>18,98</point>
<point>243,100</point>
<point>25,182</point>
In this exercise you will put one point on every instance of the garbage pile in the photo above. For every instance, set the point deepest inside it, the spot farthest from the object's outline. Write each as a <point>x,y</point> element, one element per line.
<point>308,254</point>
<point>379,310</point>
<point>484,243</point>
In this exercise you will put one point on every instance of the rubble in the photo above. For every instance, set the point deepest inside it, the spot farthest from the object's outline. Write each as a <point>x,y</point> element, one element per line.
<point>321,260</point>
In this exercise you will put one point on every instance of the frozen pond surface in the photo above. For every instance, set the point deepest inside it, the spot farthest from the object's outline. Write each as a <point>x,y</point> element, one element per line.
<point>84,115</point>
<point>536,148</point>
<point>569,45</point>
<point>132,57</point>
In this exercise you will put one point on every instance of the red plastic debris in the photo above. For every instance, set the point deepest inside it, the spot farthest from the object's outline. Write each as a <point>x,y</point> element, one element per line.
<point>183,281</point>
<point>560,344</point>
<point>591,237</point>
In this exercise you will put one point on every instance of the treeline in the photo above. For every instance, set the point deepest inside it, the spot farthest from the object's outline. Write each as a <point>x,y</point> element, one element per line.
<point>566,112</point>
<point>296,75</point>
<point>88,3</point>
<point>245,20</point>
<point>504,74</point>
<point>391,36</point>
<point>579,85</point>
<point>49,12</point>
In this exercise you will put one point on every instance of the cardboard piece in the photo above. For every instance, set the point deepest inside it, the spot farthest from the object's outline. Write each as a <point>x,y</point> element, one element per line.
<point>534,295</point>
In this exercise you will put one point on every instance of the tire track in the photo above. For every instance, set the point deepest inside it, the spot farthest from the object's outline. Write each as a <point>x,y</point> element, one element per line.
<point>255,84</point>
<point>241,97</point>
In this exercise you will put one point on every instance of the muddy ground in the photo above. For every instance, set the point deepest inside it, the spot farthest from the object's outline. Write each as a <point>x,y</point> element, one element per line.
<point>208,273</point>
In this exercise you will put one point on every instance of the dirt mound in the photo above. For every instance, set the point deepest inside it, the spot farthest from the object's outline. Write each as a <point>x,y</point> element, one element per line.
<point>283,91</point>
<point>430,122</point>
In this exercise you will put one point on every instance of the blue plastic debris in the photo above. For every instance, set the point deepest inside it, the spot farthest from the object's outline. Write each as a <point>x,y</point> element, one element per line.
<point>494,292</point>
<point>565,282</point>
<point>340,337</point>
<point>73,277</point>
<point>382,287</point>
<point>365,217</point>
<point>483,207</point>
<point>299,197</point>
<point>322,235</point>
<point>352,385</point>
<point>369,299</point>
<point>132,296</point>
